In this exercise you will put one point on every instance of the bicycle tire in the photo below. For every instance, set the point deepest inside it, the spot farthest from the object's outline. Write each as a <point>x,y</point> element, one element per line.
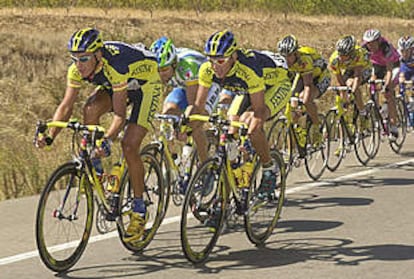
<point>153,197</point>
<point>197,239</point>
<point>336,141</point>
<point>377,128</point>
<point>262,215</point>
<point>280,137</point>
<point>315,167</point>
<point>365,143</point>
<point>54,252</point>
<point>402,116</point>
<point>155,150</point>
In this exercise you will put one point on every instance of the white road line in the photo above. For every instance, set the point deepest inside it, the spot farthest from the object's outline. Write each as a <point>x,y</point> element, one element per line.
<point>32,254</point>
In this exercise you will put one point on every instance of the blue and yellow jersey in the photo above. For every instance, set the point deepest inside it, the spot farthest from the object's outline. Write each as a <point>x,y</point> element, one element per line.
<point>308,61</point>
<point>120,63</point>
<point>360,58</point>
<point>253,72</point>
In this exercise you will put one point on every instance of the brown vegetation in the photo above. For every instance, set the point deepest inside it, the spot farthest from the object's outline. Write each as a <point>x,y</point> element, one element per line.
<point>34,61</point>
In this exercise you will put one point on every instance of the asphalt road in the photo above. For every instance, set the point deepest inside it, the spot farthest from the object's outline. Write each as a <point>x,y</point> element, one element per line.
<point>355,223</point>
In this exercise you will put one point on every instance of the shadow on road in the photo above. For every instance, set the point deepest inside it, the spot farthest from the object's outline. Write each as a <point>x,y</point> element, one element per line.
<point>276,253</point>
<point>311,201</point>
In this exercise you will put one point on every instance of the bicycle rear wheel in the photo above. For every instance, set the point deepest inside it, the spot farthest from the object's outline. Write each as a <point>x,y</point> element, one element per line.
<point>402,116</point>
<point>317,150</point>
<point>64,218</point>
<point>153,198</point>
<point>262,215</point>
<point>336,137</point>
<point>203,204</point>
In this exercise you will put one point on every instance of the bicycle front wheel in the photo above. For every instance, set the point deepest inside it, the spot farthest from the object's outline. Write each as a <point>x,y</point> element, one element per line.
<point>402,117</point>
<point>64,218</point>
<point>262,214</point>
<point>203,211</point>
<point>154,149</point>
<point>153,198</point>
<point>317,150</point>
<point>336,138</point>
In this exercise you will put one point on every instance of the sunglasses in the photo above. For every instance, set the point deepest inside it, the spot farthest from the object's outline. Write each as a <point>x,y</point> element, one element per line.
<point>82,59</point>
<point>219,61</point>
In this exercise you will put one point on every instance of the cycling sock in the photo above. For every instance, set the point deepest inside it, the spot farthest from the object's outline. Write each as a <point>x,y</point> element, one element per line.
<point>139,206</point>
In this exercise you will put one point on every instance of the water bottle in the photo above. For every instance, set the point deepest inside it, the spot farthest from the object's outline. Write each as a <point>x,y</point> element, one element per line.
<point>114,207</point>
<point>167,131</point>
<point>232,150</point>
<point>115,178</point>
<point>384,110</point>
<point>186,156</point>
<point>238,175</point>
<point>97,164</point>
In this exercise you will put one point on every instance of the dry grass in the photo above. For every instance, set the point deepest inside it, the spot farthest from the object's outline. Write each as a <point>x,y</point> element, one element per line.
<point>34,61</point>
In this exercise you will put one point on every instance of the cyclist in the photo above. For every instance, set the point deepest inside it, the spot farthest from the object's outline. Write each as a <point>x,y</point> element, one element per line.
<point>122,73</point>
<point>385,60</point>
<point>350,65</point>
<point>178,68</point>
<point>262,87</point>
<point>406,51</point>
<point>314,75</point>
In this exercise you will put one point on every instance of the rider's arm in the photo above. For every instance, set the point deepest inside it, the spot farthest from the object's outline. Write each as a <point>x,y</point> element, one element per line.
<point>388,75</point>
<point>260,111</point>
<point>307,82</point>
<point>191,93</point>
<point>201,99</point>
<point>65,108</point>
<point>119,104</point>
<point>357,78</point>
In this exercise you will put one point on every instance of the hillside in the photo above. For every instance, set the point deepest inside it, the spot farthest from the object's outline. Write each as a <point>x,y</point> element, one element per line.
<point>34,61</point>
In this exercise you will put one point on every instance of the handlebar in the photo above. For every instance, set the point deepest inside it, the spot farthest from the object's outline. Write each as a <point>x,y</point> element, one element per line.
<point>41,127</point>
<point>340,88</point>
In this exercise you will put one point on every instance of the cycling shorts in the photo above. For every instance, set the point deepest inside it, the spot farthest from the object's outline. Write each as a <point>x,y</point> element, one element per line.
<point>145,103</point>
<point>178,96</point>
<point>321,82</point>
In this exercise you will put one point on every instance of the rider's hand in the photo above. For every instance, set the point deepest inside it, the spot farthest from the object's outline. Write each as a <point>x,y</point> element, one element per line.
<point>42,141</point>
<point>188,111</point>
<point>103,148</point>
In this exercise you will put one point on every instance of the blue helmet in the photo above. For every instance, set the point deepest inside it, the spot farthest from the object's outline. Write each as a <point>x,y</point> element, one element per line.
<point>221,43</point>
<point>165,51</point>
<point>85,40</point>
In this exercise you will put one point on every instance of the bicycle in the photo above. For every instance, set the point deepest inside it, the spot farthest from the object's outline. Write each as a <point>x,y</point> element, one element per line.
<point>65,210</point>
<point>223,187</point>
<point>382,117</point>
<point>290,134</point>
<point>404,86</point>
<point>348,128</point>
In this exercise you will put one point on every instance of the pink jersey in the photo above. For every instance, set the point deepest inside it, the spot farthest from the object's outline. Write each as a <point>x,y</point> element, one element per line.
<point>385,54</point>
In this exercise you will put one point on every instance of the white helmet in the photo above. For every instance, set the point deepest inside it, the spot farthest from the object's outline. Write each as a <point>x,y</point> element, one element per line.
<point>371,35</point>
<point>405,42</point>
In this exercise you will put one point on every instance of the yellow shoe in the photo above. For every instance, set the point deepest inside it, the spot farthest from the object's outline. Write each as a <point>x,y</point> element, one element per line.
<point>338,151</point>
<point>136,228</point>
